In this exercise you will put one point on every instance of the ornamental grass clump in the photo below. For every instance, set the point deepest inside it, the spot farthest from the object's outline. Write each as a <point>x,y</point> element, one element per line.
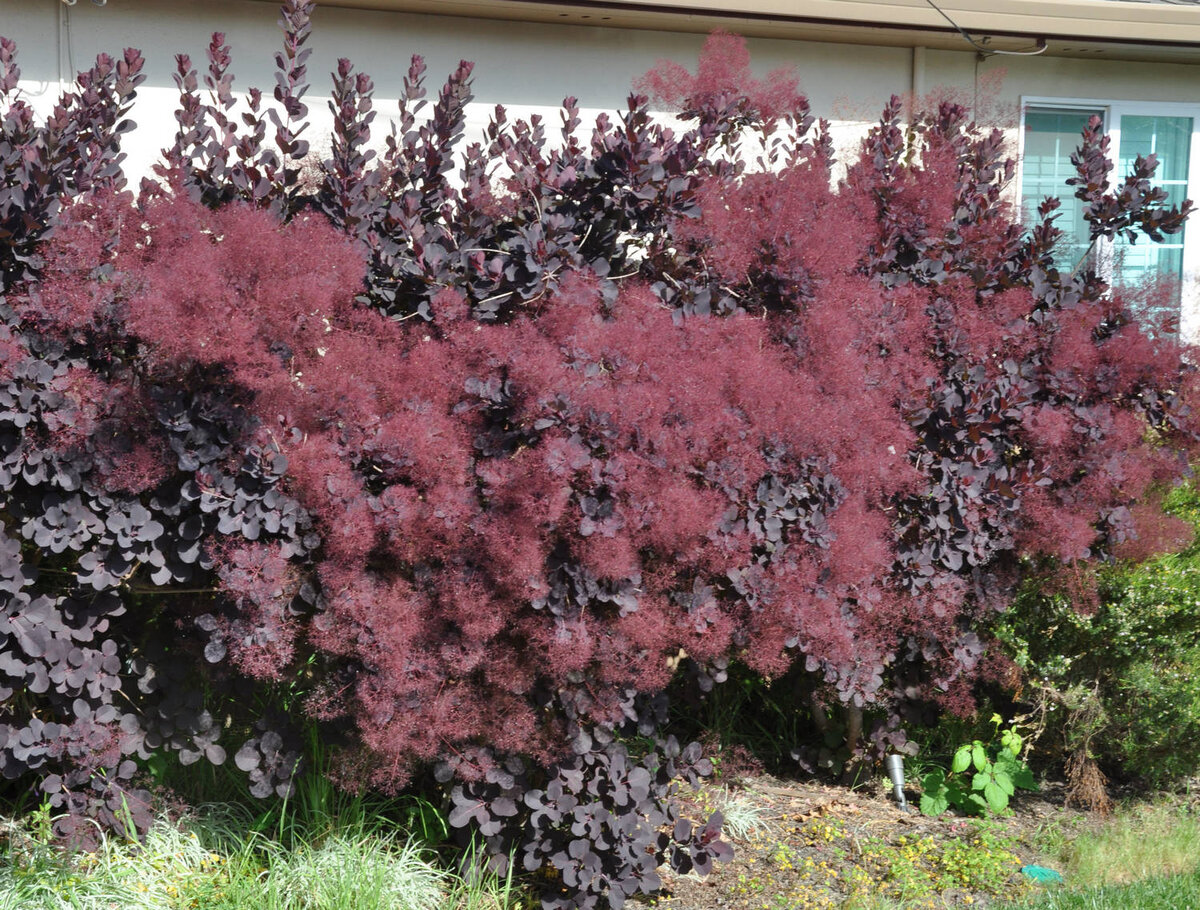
<point>464,473</point>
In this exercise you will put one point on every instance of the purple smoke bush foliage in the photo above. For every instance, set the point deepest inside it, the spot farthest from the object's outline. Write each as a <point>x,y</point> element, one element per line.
<point>469,467</point>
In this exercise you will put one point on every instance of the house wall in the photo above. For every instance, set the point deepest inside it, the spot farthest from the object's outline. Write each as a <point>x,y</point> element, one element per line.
<point>530,67</point>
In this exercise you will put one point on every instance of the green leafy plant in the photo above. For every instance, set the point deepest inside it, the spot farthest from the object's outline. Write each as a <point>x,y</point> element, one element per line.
<point>983,776</point>
<point>1109,665</point>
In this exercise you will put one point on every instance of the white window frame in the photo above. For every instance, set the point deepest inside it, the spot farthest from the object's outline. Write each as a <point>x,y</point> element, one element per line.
<point>1189,291</point>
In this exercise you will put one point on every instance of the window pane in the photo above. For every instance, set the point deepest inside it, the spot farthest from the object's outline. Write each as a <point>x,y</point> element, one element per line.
<point>1170,139</point>
<point>1051,135</point>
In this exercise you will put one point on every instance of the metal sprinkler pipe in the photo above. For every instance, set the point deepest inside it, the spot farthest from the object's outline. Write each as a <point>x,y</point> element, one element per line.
<point>895,770</point>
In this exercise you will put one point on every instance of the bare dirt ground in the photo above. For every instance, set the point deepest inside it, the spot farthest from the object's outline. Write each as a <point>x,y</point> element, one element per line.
<point>818,847</point>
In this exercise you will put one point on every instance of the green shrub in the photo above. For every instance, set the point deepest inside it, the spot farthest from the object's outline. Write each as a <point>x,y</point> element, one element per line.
<point>1119,678</point>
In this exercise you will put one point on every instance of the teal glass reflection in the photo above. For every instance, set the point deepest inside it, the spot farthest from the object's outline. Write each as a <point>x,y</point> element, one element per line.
<point>1169,138</point>
<point>1051,135</point>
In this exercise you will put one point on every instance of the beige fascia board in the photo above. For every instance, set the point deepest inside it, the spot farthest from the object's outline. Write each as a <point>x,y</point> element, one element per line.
<point>1079,19</point>
<point>1164,32</point>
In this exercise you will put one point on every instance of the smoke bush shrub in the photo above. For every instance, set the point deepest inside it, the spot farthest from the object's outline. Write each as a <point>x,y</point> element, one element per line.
<point>471,468</point>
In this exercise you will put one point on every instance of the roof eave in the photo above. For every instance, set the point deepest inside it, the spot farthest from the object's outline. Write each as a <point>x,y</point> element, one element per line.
<point>1111,29</point>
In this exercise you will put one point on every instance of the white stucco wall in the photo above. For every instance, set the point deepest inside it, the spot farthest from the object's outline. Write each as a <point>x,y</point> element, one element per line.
<point>529,67</point>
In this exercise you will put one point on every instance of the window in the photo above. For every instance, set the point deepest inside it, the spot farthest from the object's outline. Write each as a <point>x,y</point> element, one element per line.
<point>1051,132</point>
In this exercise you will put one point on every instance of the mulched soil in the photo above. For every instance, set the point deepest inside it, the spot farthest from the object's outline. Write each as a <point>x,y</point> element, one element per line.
<point>820,847</point>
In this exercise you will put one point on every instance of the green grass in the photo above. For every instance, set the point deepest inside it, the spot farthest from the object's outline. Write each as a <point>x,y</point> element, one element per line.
<point>1176,892</point>
<point>213,860</point>
<point>1139,843</point>
<point>319,849</point>
<point>1147,857</point>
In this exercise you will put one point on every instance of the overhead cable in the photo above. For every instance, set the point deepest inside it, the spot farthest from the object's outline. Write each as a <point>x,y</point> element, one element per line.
<point>1040,48</point>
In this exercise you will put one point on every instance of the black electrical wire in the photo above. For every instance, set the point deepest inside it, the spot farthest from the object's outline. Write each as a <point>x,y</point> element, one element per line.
<point>983,49</point>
